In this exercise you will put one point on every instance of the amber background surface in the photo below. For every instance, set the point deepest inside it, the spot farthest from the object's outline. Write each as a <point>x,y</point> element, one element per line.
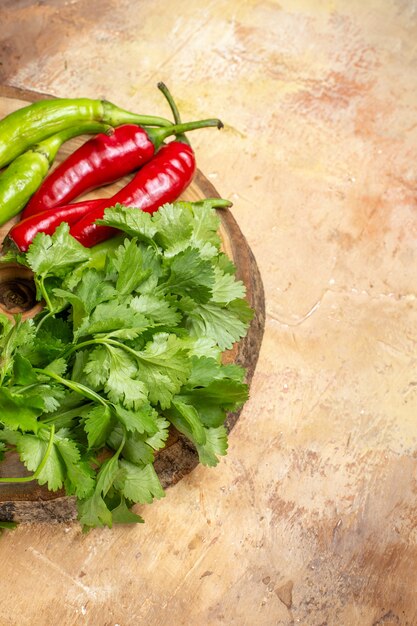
<point>311,518</point>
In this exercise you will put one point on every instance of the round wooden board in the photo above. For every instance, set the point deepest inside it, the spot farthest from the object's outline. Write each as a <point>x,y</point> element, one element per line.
<point>28,501</point>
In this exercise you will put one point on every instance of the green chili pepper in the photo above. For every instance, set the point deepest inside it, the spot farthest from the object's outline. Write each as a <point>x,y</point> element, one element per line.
<point>31,124</point>
<point>25,174</point>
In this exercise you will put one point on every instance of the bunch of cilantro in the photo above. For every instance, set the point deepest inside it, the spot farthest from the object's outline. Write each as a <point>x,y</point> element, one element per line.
<point>128,344</point>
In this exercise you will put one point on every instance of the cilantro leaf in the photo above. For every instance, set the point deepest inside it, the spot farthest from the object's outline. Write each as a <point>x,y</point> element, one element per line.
<point>140,484</point>
<point>131,268</point>
<point>213,401</point>
<point>217,322</point>
<point>32,449</point>
<point>97,367</point>
<point>185,224</point>
<point>81,359</point>
<point>213,389</point>
<point>215,445</point>
<point>205,370</point>
<point>135,449</point>
<point>123,384</point>
<point>226,288</point>
<point>17,411</point>
<point>48,343</point>
<point>122,515</point>
<point>138,267</point>
<point>225,264</point>
<point>174,225</point>
<point>135,223</point>
<point>91,291</point>
<point>140,418</point>
<point>55,255</point>
<point>49,395</point>
<point>55,327</point>
<point>111,317</point>
<point>58,366</point>
<point>156,309</point>
<point>109,472</point>
<point>79,475</point>
<point>163,367</point>
<point>93,511</point>
<point>241,309</point>
<point>157,441</point>
<point>20,334</point>
<point>6,325</point>
<point>188,414</point>
<point>23,372</point>
<point>98,424</point>
<point>203,346</point>
<point>205,234</point>
<point>190,275</point>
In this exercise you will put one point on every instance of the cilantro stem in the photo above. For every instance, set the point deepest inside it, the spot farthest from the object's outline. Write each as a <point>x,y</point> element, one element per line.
<point>41,284</point>
<point>45,317</point>
<point>77,387</point>
<point>66,416</point>
<point>79,346</point>
<point>122,444</point>
<point>122,346</point>
<point>104,342</point>
<point>34,476</point>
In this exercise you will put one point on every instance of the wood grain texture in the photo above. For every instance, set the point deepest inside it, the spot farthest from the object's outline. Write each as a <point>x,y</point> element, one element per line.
<point>29,502</point>
<point>311,517</point>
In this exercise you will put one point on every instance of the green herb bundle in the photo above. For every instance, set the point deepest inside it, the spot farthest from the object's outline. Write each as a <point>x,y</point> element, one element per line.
<point>129,343</point>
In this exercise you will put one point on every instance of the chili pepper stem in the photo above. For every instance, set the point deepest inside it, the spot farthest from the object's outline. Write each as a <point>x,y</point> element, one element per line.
<point>115,116</point>
<point>214,203</point>
<point>158,135</point>
<point>174,109</point>
<point>172,104</point>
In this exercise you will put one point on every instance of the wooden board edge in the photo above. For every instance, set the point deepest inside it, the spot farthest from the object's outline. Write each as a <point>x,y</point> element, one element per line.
<point>245,261</point>
<point>173,463</point>
<point>19,93</point>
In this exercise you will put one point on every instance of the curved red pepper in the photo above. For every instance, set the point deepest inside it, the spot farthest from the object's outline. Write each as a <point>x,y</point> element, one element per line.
<point>159,181</point>
<point>99,161</point>
<point>23,233</point>
<point>103,160</point>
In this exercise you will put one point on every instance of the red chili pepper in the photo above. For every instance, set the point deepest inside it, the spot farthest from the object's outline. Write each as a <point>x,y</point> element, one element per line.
<point>103,160</point>
<point>161,180</point>
<point>23,233</point>
<point>99,161</point>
